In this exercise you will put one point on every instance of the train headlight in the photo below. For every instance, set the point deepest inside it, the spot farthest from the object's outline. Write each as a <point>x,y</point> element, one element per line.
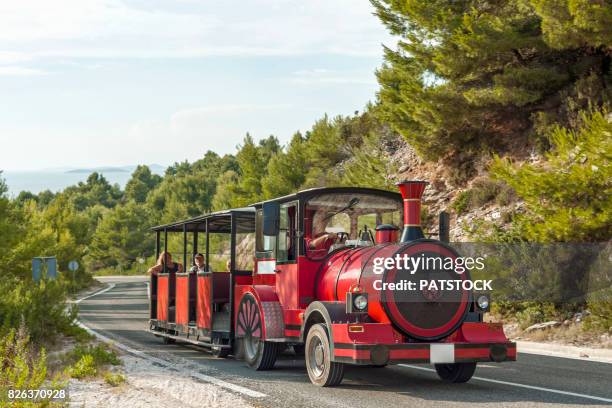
<point>483,302</point>
<point>356,302</point>
<point>361,302</point>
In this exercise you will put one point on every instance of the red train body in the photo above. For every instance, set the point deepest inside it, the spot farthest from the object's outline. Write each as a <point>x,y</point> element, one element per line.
<point>314,285</point>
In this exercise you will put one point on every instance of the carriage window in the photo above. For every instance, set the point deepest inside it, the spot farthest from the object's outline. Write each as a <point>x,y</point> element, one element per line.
<point>286,234</point>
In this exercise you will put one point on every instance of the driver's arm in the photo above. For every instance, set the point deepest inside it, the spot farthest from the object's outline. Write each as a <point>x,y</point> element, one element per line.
<point>319,242</point>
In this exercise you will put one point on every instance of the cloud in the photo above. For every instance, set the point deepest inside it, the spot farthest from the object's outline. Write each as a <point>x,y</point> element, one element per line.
<point>179,29</point>
<point>19,71</point>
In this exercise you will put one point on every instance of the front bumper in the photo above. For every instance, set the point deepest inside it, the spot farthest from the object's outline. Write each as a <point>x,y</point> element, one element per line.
<point>416,353</point>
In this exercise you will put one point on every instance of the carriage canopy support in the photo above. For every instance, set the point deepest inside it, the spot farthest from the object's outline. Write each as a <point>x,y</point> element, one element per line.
<point>230,222</point>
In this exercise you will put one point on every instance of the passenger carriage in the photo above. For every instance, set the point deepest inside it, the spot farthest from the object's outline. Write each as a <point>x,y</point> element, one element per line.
<point>301,274</point>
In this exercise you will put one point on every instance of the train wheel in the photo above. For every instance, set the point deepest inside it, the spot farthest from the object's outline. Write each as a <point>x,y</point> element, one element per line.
<point>257,353</point>
<point>321,370</point>
<point>456,373</point>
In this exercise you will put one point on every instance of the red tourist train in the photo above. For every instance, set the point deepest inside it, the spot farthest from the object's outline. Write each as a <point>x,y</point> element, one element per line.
<point>301,273</point>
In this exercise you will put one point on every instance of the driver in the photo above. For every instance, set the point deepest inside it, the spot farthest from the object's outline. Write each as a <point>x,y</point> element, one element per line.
<point>320,240</point>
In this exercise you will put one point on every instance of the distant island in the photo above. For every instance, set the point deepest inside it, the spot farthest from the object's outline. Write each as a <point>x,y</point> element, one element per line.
<point>99,170</point>
<point>155,168</point>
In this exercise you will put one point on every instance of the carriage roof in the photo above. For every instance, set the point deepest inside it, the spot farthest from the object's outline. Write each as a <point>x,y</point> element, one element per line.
<point>311,192</point>
<point>218,221</point>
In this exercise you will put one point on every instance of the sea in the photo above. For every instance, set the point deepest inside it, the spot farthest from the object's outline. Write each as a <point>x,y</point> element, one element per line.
<point>57,180</point>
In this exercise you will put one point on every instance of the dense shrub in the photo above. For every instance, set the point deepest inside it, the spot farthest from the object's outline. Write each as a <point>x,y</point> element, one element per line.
<point>40,307</point>
<point>21,366</point>
<point>100,353</point>
<point>83,368</point>
<point>86,361</point>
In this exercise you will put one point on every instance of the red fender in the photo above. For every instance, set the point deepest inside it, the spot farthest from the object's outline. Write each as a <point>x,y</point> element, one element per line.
<point>270,312</point>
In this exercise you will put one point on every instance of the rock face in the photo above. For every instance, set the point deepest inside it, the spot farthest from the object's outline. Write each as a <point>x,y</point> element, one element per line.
<point>542,326</point>
<point>440,193</point>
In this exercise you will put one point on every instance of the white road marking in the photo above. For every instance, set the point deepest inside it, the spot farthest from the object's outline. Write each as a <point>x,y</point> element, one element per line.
<point>164,363</point>
<point>513,384</point>
<point>148,290</point>
<point>110,286</point>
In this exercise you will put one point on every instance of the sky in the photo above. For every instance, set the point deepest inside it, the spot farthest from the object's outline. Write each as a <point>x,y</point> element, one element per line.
<point>86,83</point>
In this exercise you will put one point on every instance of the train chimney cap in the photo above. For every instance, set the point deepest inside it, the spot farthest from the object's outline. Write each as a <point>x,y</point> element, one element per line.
<point>399,183</point>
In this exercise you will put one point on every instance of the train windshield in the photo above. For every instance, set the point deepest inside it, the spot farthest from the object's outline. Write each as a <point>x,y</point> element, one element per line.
<point>334,220</point>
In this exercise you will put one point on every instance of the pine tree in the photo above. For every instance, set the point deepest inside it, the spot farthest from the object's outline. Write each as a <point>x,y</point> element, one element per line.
<point>286,171</point>
<point>469,76</point>
<point>141,183</point>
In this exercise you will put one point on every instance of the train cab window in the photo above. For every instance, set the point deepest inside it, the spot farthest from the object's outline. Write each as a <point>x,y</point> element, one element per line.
<point>335,220</point>
<point>287,247</point>
<point>366,223</point>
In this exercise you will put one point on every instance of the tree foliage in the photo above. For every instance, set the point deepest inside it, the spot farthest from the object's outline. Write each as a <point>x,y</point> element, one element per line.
<point>141,184</point>
<point>471,76</point>
<point>568,197</point>
<point>122,236</point>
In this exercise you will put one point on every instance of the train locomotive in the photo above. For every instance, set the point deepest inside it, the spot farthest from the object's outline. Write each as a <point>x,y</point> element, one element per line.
<point>311,282</point>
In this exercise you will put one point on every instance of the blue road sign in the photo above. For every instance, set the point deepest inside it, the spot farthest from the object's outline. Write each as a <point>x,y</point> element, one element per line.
<point>43,264</point>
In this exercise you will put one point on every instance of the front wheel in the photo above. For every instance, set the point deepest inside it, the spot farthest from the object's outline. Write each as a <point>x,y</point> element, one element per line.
<point>257,353</point>
<point>322,371</point>
<point>456,373</point>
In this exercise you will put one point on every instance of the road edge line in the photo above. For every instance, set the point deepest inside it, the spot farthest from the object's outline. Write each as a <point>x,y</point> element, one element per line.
<point>212,380</point>
<point>531,387</point>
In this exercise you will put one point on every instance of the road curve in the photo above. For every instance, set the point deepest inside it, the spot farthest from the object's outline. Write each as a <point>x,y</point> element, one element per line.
<point>121,314</point>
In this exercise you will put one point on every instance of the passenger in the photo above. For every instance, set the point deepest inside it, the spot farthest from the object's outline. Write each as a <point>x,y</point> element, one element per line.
<point>228,265</point>
<point>171,267</point>
<point>200,264</point>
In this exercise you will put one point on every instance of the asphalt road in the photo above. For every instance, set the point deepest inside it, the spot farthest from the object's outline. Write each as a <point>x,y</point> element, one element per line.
<point>537,381</point>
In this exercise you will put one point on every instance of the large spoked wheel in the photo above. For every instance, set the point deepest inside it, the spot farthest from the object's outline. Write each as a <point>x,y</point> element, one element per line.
<point>456,373</point>
<point>258,354</point>
<point>321,370</point>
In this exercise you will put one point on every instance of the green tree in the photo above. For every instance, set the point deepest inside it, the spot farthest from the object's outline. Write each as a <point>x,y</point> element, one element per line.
<point>469,76</point>
<point>237,189</point>
<point>325,148</point>
<point>569,197</point>
<point>286,171</point>
<point>96,190</point>
<point>121,237</point>
<point>370,165</point>
<point>141,183</point>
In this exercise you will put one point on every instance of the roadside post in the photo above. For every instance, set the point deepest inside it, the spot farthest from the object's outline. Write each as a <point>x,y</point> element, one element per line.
<point>73,266</point>
<point>141,262</point>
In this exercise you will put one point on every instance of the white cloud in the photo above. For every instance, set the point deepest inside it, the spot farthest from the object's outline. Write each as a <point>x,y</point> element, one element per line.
<point>125,28</point>
<point>19,71</point>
